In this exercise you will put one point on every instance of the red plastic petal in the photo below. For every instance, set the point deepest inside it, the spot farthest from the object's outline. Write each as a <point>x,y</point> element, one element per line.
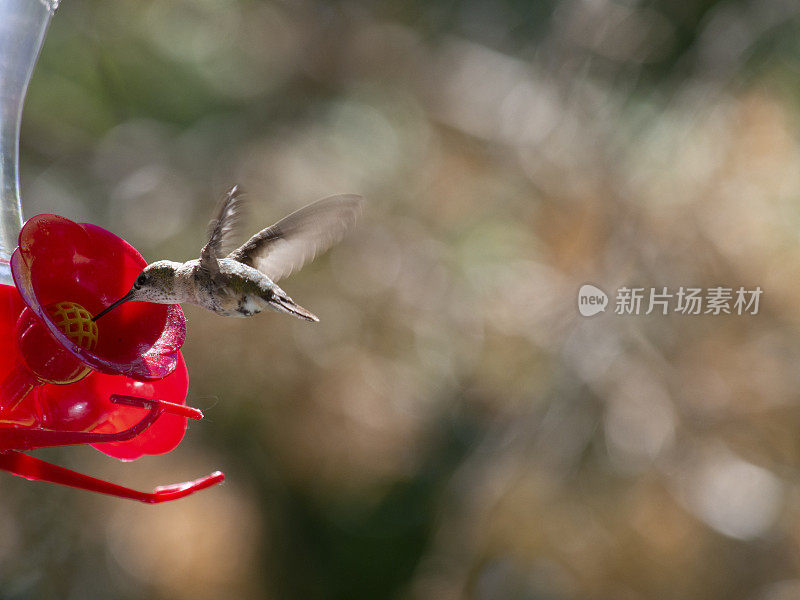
<point>86,406</point>
<point>59,260</point>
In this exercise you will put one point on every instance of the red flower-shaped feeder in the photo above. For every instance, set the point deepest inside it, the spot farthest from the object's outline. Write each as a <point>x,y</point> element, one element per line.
<point>66,380</point>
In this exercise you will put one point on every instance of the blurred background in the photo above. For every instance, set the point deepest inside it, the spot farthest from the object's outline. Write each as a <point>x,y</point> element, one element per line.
<point>453,428</point>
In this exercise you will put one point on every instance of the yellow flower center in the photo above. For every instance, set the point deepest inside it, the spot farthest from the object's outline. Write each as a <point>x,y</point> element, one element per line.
<point>76,323</point>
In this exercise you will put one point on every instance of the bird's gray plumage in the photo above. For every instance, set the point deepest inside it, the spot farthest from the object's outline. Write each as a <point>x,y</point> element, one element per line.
<point>243,282</point>
<point>222,229</point>
<point>234,290</point>
<point>286,246</point>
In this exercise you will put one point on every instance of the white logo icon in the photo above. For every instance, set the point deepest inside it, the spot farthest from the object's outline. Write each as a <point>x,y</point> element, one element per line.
<point>591,300</point>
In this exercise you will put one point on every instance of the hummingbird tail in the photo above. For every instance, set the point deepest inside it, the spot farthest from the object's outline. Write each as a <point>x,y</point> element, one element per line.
<point>285,304</point>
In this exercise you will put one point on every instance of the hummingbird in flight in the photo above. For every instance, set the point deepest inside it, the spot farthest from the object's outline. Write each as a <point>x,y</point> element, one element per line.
<point>243,282</point>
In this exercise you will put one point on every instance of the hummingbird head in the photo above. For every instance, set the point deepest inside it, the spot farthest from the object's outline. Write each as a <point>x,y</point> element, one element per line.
<point>156,283</point>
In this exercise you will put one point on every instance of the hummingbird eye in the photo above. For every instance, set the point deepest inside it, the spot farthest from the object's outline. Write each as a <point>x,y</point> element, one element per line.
<point>140,280</point>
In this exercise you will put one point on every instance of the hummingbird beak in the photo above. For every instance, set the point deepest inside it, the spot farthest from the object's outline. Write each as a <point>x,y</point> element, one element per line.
<point>125,298</point>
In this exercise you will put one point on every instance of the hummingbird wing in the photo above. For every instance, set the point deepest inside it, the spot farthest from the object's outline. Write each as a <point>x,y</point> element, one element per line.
<point>221,229</point>
<point>287,245</point>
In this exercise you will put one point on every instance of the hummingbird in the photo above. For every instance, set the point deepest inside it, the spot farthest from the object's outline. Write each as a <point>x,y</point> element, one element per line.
<point>243,282</point>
